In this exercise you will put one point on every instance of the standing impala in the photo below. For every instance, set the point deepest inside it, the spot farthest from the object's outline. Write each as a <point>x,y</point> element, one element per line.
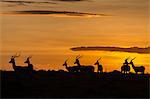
<point>137,69</point>
<point>83,68</point>
<point>125,68</point>
<point>77,61</point>
<point>100,68</point>
<point>30,66</point>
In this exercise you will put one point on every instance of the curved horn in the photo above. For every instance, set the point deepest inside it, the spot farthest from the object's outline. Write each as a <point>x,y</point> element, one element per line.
<point>66,60</point>
<point>99,59</point>
<point>30,56</point>
<point>16,55</point>
<point>133,59</point>
<point>77,56</point>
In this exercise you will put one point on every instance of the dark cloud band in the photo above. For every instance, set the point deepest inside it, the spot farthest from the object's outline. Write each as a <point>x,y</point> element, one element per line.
<point>130,50</point>
<point>70,0</point>
<point>26,2</point>
<point>67,13</point>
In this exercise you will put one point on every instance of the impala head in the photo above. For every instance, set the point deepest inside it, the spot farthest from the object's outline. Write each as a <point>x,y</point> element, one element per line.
<point>97,62</point>
<point>77,59</point>
<point>127,59</point>
<point>131,62</point>
<point>65,63</point>
<point>12,60</point>
<point>28,59</point>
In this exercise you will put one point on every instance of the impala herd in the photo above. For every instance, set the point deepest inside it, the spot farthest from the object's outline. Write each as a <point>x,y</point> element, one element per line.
<point>21,68</point>
<point>125,68</point>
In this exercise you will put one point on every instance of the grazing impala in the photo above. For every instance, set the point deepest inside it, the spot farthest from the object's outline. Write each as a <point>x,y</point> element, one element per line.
<point>100,68</point>
<point>18,68</point>
<point>137,69</point>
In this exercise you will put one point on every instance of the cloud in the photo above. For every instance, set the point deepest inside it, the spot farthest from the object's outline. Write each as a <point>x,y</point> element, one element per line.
<point>145,50</point>
<point>70,0</point>
<point>57,13</point>
<point>26,2</point>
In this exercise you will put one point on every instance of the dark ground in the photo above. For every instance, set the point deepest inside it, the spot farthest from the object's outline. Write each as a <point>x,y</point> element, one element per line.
<point>68,85</point>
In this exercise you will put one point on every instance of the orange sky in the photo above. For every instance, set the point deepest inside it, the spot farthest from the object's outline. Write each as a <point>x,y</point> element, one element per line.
<point>50,36</point>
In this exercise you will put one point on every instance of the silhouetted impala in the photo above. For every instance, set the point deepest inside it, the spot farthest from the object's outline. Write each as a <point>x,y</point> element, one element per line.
<point>100,68</point>
<point>18,68</point>
<point>125,68</point>
<point>30,66</point>
<point>137,69</point>
<point>83,68</point>
<point>70,69</point>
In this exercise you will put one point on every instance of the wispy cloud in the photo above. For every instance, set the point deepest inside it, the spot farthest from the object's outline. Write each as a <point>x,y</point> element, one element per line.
<point>70,0</point>
<point>57,13</point>
<point>145,50</point>
<point>27,2</point>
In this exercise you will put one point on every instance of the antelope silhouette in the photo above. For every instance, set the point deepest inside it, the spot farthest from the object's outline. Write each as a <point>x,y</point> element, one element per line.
<point>18,68</point>
<point>77,61</point>
<point>83,68</point>
<point>125,68</point>
<point>70,69</point>
<point>100,68</point>
<point>137,69</point>
<point>30,66</point>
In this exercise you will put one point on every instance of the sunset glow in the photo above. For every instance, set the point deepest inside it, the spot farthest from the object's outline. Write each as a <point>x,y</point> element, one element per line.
<point>49,36</point>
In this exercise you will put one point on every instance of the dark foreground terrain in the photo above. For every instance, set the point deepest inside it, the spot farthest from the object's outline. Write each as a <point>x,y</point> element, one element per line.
<point>66,85</point>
